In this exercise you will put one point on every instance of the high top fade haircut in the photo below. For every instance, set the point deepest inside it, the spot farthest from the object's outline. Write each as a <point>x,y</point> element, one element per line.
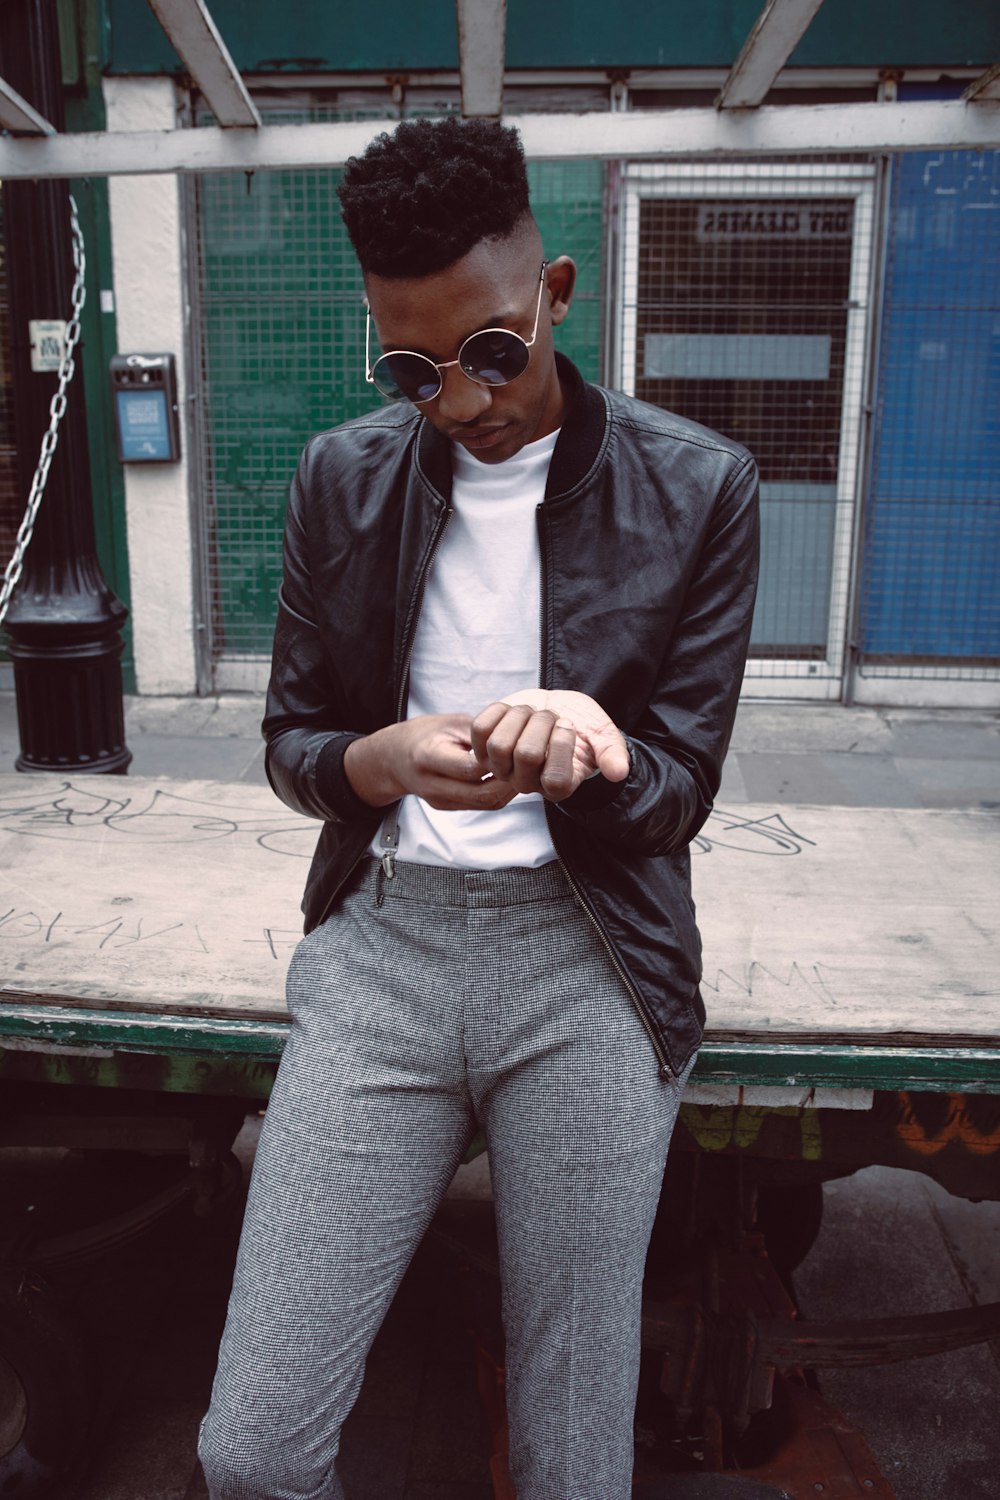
<point>421,198</point>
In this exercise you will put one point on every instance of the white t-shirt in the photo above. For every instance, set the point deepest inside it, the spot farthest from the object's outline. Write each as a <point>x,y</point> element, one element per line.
<point>478,638</point>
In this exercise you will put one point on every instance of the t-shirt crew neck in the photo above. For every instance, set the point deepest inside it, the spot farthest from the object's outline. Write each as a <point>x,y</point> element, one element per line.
<point>478,639</point>
<point>509,478</point>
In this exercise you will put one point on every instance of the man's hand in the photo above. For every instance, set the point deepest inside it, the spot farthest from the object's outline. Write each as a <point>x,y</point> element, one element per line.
<point>431,757</point>
<point>548,741</point>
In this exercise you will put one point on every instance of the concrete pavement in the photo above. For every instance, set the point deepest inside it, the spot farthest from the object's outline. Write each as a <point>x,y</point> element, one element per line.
<point>782,752</point>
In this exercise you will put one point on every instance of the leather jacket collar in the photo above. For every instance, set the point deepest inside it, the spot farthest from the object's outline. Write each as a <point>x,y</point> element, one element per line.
<point>582,439</point>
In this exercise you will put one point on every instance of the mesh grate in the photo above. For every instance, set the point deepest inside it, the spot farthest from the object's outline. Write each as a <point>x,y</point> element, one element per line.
<point>743,302</point>
<point>280,300</point>
<point>930,604</point>
<point>741,310</point>
<point>283,355</point>
<point>568,201</point>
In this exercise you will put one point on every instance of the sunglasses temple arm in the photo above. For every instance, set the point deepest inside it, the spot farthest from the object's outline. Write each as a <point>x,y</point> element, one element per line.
<point>368,348</point>
<point>538,305</point>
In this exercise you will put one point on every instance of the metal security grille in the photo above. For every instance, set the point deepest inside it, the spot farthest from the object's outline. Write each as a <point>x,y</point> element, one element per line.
<point>282,357</point>
<point>568,201</point>
<point>930,588</point>
<point>744,292</point>
<point>282,332</point>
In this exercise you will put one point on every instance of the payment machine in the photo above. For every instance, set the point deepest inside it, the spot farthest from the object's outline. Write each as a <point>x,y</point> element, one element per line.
<point>145,400</point>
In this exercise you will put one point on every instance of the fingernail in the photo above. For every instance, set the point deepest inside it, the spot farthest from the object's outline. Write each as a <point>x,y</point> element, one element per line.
<point>563,724</point>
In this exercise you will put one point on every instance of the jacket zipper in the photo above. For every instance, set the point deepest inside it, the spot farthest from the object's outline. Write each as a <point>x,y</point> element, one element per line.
<point>418,599</point>
<point>389,857</point>
<point>390,837</point>
<point>666,1071</point>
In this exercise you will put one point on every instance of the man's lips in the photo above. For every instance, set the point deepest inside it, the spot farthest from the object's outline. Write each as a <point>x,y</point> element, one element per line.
<point>486,437</point>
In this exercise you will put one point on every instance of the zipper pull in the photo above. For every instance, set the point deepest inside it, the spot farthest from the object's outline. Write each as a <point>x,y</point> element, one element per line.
<point>389,841</point>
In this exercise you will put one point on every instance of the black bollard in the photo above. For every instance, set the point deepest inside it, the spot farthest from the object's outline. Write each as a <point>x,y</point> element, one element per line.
<point>64,622</point>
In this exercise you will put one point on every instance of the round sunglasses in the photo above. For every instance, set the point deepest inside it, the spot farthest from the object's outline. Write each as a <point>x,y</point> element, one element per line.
<point>494,356</point>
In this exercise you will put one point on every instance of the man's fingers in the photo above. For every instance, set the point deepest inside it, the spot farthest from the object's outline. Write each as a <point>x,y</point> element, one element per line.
<point>528,756</point>
<point>529,747</point>
<point>483,726</point>
<point>443,752</point>
<point>487,795</point>
<point>559,778</point>
<point>515,747</point>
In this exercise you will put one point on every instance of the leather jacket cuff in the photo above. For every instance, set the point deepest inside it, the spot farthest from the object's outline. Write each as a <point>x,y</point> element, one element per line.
<point>331,783</point>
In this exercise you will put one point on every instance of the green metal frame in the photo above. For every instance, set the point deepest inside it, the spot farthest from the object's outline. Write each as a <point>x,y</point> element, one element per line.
<point>211,1054</point>
<point>307,38</point>
<point>80,34</point>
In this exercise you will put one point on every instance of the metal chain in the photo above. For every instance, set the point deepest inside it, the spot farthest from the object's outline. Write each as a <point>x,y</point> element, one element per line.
<point>57,409</point>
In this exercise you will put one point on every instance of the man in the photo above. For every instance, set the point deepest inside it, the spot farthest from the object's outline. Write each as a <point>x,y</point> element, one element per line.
<point>510,641</point>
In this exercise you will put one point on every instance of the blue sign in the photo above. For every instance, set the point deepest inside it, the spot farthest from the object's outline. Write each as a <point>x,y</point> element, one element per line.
<point>143,424</point>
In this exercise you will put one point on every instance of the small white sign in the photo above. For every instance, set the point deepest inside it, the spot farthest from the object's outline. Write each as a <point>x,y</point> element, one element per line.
<point>48,340</point>
<point>737,356</point>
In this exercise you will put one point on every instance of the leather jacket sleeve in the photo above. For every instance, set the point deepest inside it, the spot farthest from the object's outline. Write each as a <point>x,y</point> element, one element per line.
<point>677,749</point>
<point>305,741</point>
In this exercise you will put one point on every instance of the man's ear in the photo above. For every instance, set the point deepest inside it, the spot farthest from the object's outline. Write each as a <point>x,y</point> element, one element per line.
<point>560,278</point>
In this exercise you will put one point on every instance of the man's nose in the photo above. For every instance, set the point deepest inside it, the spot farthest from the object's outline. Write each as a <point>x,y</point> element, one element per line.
<point>461,399</point>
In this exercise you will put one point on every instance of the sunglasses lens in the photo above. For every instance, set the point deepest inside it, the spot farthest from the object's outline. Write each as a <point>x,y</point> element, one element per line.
<point>494,357</point>
<point>407,377</point>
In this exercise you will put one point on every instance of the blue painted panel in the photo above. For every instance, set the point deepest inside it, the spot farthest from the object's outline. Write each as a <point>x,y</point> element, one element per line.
<point>938,598</point>
<point>932,536</point>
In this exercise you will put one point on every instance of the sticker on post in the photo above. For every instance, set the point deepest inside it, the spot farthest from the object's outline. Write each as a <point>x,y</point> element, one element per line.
<point>48,343</point>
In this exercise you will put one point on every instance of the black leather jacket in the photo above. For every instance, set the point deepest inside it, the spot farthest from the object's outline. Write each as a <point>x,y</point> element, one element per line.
<point>648,536</point>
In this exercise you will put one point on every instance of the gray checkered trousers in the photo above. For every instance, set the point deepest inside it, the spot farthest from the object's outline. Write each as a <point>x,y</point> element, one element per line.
<point>428,1004</point>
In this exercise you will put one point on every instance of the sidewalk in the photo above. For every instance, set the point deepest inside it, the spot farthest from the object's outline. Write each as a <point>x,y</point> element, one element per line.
<point>892,1242</point>
<point>781,752</point>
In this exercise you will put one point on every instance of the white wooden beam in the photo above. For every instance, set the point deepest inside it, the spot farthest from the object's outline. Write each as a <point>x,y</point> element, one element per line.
<point>809,130</point>
<point>482,29</point>
<point>199,46</point>
<point>985,88</point>
<point>776,33</point>
<point>18,115</point>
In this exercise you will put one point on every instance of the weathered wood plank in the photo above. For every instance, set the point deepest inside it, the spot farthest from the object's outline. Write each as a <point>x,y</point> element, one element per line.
<point>821,925</point>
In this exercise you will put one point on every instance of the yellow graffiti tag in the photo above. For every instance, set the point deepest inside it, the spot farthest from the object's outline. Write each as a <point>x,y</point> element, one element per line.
<point>715,1128</point>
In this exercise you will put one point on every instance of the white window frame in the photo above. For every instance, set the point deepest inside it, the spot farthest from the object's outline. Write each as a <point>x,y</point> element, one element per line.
<point>773,677</point>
